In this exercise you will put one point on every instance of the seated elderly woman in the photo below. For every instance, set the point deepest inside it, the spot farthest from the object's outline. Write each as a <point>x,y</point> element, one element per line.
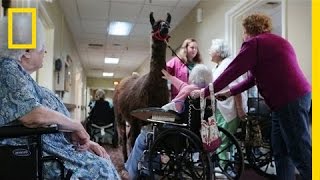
<point>22,100</point>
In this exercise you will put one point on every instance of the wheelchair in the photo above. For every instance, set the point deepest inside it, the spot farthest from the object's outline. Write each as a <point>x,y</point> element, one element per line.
<point>26,161</point>
<point>103,131</point>
<point>175,149</point>
<point>260,157</point>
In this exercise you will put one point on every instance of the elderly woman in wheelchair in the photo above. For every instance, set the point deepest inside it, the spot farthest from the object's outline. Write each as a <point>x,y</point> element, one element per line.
<point>23,101</point>
<point>170,147</point>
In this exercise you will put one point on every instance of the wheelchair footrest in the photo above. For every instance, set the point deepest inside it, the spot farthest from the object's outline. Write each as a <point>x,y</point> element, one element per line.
<point>155,113</point>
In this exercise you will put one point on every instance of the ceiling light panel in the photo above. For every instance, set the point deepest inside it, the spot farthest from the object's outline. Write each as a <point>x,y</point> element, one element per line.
<point>111,60</point>
<point>118,28</point>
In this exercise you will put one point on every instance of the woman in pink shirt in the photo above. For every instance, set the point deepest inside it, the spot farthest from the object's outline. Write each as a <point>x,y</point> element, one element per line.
<point>180,67</point>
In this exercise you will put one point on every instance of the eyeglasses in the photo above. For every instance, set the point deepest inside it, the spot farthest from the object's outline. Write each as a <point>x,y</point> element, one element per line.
<point>41,51</point>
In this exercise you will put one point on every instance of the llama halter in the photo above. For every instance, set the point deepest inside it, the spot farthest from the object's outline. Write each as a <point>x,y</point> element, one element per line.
<point>157,36</point>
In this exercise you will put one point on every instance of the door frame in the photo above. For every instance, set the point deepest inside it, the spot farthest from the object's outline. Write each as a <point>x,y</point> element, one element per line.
<point>234,15</point>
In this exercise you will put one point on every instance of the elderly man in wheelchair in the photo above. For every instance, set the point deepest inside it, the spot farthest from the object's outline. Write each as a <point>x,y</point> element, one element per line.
<point>29,109</point>
<point>170,147</point>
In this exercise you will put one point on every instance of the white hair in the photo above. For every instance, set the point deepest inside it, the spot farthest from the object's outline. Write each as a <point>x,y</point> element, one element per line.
<point>21,34</point>
<point>200,75</point>
<point>99,94</point>
<point>220,46</point>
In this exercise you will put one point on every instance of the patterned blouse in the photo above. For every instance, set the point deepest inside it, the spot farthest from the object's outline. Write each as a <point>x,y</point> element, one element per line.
<point>20,94</point>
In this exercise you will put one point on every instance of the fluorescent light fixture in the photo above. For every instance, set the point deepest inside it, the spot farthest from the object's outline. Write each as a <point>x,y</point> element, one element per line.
<point>107,74</point>
<point>111,60</point>
<point>119,28</point>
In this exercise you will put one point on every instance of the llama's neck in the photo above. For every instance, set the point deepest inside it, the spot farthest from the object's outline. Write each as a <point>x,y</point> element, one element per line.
<point>158,58</point>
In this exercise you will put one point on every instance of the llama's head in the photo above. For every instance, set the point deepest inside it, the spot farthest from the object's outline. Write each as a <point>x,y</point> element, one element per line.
<point>160,28</point>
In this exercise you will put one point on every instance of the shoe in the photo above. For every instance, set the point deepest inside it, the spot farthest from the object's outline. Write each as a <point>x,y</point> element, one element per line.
<point>170,106</point>
<point>218,173</point>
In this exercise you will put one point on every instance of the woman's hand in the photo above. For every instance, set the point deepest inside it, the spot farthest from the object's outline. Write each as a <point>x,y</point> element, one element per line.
<point>223,95</point>
<point>166,74</point>
<point>98,150</point>
<point>241,114</point>
<point>195,94</point>
<point>80,138</point>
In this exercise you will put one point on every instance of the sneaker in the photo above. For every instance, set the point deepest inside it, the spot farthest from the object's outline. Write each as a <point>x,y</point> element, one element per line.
<point>170,106</point>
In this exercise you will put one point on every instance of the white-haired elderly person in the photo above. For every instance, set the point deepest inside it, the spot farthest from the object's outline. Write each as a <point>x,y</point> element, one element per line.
<point>200,76</point>
<point>228,112</point>
<point>23,101</point>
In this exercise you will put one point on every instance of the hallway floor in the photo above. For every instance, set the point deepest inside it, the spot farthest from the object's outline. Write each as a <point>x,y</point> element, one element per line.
<point>117,159</point>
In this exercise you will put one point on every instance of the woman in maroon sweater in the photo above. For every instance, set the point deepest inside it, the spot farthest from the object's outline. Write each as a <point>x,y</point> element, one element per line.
<point>273,67</point>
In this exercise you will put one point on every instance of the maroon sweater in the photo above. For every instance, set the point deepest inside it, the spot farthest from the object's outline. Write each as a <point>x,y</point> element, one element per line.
<point>274,68</point>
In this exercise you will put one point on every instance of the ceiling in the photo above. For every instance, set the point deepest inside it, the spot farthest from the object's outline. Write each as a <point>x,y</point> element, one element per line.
<point>88,21</point>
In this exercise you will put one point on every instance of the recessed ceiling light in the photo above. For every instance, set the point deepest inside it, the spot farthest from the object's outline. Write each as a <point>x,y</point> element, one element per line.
<point>107,74</point>
<point>115,83</point>
<point>118,28</point>
<point>111,60</point>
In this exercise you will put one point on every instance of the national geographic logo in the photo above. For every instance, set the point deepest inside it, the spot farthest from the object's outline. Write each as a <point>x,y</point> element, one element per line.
<point>33,43</point>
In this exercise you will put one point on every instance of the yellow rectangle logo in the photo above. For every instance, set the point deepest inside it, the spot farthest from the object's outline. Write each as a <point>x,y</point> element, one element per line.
<point>33,12</point>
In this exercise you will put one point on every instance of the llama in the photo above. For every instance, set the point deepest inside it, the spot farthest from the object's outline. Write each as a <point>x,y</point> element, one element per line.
<point>149,90</point>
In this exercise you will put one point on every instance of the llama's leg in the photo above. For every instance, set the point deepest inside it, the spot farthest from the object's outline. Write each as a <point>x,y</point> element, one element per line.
<point>124,144</point>
<point>134,132</point>
<point>123,135</point>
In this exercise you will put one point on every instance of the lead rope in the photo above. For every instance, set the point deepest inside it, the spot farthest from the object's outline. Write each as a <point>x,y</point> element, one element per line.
<point>173,52</point>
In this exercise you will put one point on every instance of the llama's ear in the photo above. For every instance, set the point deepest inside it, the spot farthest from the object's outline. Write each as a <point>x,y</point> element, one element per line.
<point>152,19</point>
<point>168,18</point>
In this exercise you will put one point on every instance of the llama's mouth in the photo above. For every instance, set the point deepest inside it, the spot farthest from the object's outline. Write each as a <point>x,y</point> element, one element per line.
<point>164,32</point>
<point>161,35</point>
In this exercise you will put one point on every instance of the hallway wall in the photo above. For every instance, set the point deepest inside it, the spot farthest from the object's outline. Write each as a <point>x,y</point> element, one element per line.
<point>63,46</point>
<point>299,33</point>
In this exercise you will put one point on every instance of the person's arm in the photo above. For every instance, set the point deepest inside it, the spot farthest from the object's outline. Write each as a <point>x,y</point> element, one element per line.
<point>170,66</point>
<point>42,116</point>
<point>244,85</point>
<point>239,106</point>
<point>244,61</point>
<point>177,83</point>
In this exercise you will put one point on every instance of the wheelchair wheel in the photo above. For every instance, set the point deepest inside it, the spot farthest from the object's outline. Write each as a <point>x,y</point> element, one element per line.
<point>228,160</point>
<point>261,158</point>
<point>177,153</point>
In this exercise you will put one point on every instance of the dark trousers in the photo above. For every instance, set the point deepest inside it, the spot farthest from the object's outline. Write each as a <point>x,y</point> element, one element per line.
<point>291,141</point>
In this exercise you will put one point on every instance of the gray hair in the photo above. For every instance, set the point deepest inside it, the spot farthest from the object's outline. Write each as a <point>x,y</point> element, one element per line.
<point>99,94</point>
<point>200,75</point>
<point>220,46</point>
<point>21,34</point>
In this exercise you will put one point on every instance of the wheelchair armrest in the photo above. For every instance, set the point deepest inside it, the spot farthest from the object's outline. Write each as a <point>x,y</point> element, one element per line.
<point>20,130</point>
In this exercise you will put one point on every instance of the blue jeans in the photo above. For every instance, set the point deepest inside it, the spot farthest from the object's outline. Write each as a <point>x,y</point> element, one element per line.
<point>291,141</point>
<point>136,154</point>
